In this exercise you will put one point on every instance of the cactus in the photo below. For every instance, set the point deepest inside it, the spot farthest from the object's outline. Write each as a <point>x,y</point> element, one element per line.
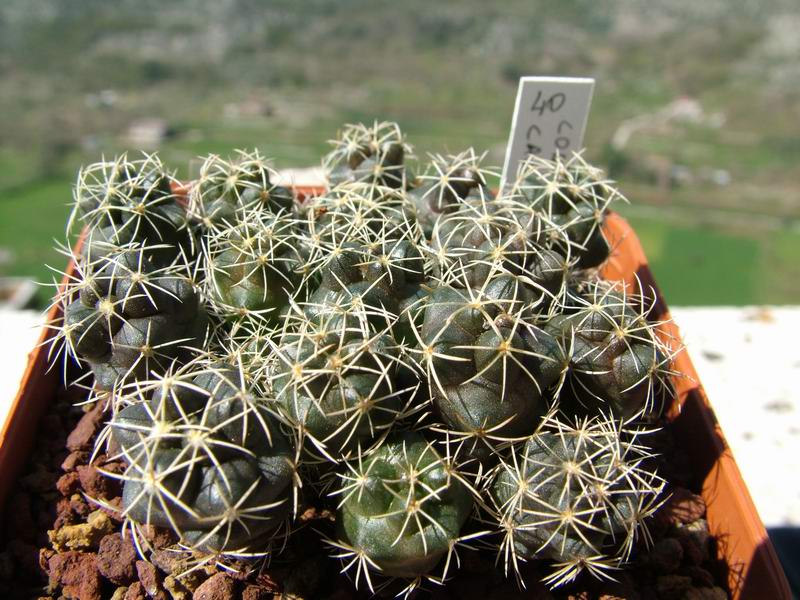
<point>365,248</point>
<point>360,212</point>
<point>372,155</point>
<point>401,509</point>
<point>130,201</point>
<point>252,266</point>
<point>576,495</point>
<point>339,383</point>
<point>383,279</point>
<point>617,361</point>
<point>361,342</point>
<point>127,317</point>
<point>225,187</point>
<point>492,373</point>
<point>571,195</point>
<point>205,458</point>
<point>486,238</point>
<point>450,180</point>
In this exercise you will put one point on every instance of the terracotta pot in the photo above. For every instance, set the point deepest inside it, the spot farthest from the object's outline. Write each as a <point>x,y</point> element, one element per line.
<point>743,547</point>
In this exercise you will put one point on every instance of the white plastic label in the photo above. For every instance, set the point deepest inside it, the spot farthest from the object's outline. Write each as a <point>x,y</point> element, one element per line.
<point>549,118</point>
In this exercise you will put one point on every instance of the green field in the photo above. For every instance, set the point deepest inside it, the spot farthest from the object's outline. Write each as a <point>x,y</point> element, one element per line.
<point>698,266</point>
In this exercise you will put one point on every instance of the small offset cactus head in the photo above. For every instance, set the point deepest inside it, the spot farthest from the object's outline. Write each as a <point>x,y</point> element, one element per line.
<point>492,373</point>
<point>243,182</point>
<point>577,495</point>
<point>572,195</point>
<point>369,154</point>
<point>204,458</point>
<point>618,361</point>
<point>401,509</point>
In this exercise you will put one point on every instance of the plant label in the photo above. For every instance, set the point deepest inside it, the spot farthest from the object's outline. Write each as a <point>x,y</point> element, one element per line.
<point>549,119</point>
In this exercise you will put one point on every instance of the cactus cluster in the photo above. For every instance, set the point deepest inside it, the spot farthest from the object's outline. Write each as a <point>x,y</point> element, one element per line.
<point>133,305</point>
<point>436,361</point>
<point>206,457</point>
<point>577,495</point>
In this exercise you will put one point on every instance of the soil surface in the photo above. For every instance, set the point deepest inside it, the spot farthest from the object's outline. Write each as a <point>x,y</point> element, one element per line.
<point>59,543</point>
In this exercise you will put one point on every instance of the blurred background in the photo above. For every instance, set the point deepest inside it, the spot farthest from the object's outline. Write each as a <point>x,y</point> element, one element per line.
<point>696,110</point>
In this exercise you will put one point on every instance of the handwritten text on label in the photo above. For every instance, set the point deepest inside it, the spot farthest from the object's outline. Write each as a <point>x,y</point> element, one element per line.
<point>549,118</point>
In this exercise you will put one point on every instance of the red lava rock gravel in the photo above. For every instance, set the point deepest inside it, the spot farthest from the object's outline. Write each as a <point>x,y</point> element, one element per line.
<point>218,587</point>
<point>116,559</point>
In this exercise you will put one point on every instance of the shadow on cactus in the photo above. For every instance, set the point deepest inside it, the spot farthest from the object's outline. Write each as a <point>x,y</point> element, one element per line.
<point>206,459</point>
<point>491,372</point>
<point>577,495</point>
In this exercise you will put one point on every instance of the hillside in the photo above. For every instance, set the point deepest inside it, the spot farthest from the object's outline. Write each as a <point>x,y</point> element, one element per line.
<point>697,107</point>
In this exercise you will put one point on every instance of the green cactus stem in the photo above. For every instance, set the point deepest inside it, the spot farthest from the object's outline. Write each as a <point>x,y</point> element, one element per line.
<point>401,509</point>
<point>577,496</point>
<point>205,458</point>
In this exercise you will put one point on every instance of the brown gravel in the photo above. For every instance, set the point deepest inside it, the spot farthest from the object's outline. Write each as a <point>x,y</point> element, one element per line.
<point>75,458</point>
<point>666,555</point>
<point>218,587</point>
<point>116,559</point>
<point>97,485</point>
<point>149,577</point>
<point>683,507</point>
<point>255,592</point>
<point>76,574</point>
<point>81,438</point>
<point>135,592</point>
<point>68,483</point>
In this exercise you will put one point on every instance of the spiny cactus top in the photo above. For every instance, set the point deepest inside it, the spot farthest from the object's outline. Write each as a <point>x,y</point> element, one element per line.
<point>484,239</point>
<point>573,196</point>
<point>339,383</point>
<point>252,266</point>
<point>255,346</point>
<point>490,370</point>
<point>578,495</point>
<point>126,316</point>
<point>227,186</point>
<point>450,180</point>
<point>401,508</point>
<point>617,361</point>
<point>372,155</point>
<point>205,458</point>
<point>125,201</point>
